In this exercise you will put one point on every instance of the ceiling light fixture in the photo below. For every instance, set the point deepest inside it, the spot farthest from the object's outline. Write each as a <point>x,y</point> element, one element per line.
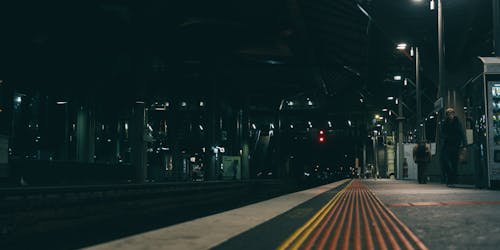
<point>401,46</point>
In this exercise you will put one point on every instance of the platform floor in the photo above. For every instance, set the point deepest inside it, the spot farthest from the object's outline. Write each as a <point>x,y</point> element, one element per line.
<point>357,214</point>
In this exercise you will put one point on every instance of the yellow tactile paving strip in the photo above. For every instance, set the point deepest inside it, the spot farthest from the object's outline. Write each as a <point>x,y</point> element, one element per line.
<point>353,219</point>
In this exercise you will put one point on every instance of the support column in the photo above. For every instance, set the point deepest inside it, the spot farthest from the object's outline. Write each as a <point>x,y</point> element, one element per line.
<point>117,147</point>
<point>85,135</point>
<point>64,148</point>
<point>496,26</point>
<point>375,155</point>
<point>363,166</point>
<point>6,118</point>
<point>419,96</point>
<point>442,87</point>
<point>399,168</point>
<point>178,141</point>
<point>138,155</point>
<point>213,169</point>
<point>245,148</point>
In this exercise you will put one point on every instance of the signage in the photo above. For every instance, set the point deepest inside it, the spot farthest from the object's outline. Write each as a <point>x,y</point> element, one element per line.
<point>231,167</point>
<point>438,104</point>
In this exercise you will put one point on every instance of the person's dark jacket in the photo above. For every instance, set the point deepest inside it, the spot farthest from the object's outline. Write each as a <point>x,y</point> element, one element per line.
<point>421,153</point>
<point>452,134</point>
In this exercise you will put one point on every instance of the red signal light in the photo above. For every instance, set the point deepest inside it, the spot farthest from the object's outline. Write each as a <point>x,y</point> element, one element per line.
<point>321,137</point>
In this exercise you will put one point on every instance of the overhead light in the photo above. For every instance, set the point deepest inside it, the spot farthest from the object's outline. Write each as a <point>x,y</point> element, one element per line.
<point>406,82</point>
<point>202,104</point>
<point>291,126</point>
<point>290,103</point>
<point>397,78</point>
<point>61,103</point>
<point>361,100</point>
<point>183,104</point>
<point>273,62</point>
<point>384,110</point>
<point>309,103</point>
<point>390,98</point>
<point>271,126</point>
<point>329,124</point>
<point>18,99</point>
<point>201,127</point>
<point>396,101</point>
<point>412,52</point>
<point>401,46</point>
<point>349,122</point>
<point>433,5</point>
<point>139,102</point>
<point>254,126</point>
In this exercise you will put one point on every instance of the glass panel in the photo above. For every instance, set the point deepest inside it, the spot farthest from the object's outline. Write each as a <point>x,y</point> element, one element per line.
<point>496,112</point>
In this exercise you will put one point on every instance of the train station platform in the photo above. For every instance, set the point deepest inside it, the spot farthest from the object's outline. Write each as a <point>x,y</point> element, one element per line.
<point>348,214</point>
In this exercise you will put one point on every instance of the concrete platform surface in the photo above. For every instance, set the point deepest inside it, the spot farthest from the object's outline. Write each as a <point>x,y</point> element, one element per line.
<point>444,217</point>
<point>208,232</point>
<point>441,217</point>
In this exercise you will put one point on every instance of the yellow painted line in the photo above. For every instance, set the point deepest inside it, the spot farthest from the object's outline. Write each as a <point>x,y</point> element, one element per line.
<point>307,228</point>
<point>308,231</point>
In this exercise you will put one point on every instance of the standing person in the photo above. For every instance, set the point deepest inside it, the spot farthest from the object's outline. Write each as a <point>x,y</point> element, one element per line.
<point>422,156</point>
<point>452,138</point>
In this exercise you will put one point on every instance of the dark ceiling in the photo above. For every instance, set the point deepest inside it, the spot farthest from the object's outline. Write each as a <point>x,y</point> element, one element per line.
<point>332,51</point>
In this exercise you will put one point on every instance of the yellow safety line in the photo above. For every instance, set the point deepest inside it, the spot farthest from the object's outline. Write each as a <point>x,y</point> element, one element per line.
<point>308,231</point>
<point>314,221</point>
